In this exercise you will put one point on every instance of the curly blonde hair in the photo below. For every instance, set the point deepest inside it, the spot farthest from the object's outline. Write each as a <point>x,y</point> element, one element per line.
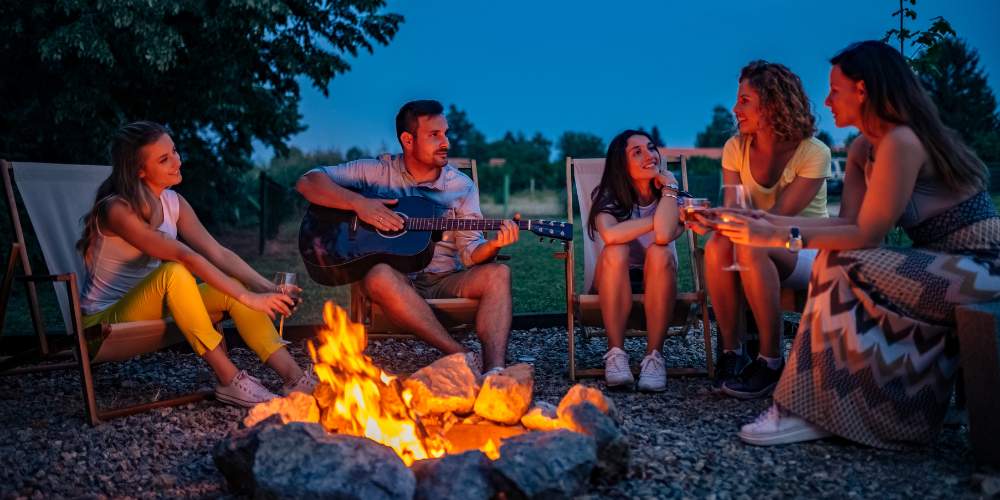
<point>786,107</point>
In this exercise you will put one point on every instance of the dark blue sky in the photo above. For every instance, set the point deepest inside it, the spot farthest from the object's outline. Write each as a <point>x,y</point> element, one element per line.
<point>600,67</point>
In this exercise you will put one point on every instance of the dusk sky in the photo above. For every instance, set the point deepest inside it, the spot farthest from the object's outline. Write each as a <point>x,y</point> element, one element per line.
<point>600,67</point>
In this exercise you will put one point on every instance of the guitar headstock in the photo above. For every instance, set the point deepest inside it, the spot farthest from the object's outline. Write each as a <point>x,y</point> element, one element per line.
<point>560,230</point>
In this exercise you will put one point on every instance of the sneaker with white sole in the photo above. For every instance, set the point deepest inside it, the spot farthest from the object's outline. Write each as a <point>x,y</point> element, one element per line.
<point>617,373</point>
<point>653,373</point>
<point>776,426</point>
<point>243,390</point>
<point>306,383</point>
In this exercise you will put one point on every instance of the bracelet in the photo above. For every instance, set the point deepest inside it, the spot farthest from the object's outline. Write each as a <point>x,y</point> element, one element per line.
<point>667,194</point>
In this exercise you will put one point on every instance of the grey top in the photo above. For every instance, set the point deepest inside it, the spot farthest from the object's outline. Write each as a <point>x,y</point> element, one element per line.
<point>387,177</point>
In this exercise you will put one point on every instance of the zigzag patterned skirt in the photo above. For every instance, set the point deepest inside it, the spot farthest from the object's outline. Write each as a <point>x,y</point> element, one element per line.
<point>876,352</point>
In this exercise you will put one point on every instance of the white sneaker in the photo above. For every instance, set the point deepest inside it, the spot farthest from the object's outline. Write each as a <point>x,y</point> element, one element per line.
<point>306,383</point>
<point>617,373</point>
<point>776,426</point>
<point>653,373</point>
<point>244,390</point>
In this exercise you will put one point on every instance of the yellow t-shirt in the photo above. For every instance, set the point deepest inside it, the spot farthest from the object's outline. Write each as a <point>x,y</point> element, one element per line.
<point>810,160</point>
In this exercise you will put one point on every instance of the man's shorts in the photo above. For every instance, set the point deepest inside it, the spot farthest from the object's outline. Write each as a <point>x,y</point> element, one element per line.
<point>440,285</point>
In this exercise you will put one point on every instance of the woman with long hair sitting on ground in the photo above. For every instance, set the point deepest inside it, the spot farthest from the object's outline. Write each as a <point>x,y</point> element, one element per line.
<point>138,270</point>
<point>634,213</point>
<point>876,353</point>
<point>783,169</point>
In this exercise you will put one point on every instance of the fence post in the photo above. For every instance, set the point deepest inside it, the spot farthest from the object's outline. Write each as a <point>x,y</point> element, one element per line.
<point>263,213</point>
<point>506,192</point>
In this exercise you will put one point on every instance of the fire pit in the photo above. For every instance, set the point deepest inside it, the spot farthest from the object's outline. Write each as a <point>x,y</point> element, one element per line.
<point>441,423</point>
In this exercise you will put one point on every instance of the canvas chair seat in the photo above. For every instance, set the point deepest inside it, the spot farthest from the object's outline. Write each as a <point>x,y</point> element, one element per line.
<point>58,225</point>
<point>584,308</point>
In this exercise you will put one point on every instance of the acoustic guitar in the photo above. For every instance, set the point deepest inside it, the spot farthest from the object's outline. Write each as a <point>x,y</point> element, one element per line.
<point>339,248</point>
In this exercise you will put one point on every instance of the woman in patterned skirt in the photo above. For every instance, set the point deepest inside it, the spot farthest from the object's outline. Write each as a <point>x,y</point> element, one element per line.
<point>876,353</point>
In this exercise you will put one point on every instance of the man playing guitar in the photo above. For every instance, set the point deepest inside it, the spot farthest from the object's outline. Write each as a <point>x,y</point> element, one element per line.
<point>462,265</point>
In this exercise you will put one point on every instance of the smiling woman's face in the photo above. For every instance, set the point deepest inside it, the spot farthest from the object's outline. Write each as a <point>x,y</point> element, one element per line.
<point>642,158</point>
<point>161,164</point>
<point>845,98</point>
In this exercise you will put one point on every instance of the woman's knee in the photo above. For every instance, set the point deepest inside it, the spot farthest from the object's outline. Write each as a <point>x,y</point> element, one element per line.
<point>614,256</point>
<point>174,273</point>
<point>661,257</point>
<point>718,248</point>
<point>751,256</point>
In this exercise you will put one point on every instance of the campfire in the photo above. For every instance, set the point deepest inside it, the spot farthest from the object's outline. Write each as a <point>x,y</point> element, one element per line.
<point>442,410</point>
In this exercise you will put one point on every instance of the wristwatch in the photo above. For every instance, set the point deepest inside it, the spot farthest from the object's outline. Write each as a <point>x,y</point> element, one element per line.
<point>669,191</point>
<point>794,243</point>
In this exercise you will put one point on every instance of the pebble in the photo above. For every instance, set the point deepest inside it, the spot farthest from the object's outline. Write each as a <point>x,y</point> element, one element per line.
<point>683,441</point>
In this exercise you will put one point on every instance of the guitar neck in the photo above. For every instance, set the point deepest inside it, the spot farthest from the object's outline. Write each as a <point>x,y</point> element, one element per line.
<point>439,224</point>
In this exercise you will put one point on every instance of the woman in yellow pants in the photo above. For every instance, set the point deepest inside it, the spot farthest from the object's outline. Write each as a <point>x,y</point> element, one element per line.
<point>139,270</point>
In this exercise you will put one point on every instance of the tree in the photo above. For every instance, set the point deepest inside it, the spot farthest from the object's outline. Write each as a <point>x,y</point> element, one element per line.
<point>355,153</point>
<point>657,139</point>
<point>718,131</point>
<point>221,74</point>
<point>921,39</point>
<point>950,73</point>
<point>580,145</point>
<point>466,141</point>
<point>825,138</point>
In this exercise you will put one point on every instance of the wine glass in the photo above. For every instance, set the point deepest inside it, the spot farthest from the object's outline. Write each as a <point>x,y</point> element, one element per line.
<point>734,196</point>
<point>287,284</point>
<point>691,206</point>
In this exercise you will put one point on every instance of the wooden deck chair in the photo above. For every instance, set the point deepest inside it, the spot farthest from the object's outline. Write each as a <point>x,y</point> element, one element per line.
<point>583,308</point>
<point>56,197</point>
<point>456,314</point>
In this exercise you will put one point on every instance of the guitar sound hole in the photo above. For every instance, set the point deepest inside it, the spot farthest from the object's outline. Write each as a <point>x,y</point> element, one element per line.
<point>394,234</point>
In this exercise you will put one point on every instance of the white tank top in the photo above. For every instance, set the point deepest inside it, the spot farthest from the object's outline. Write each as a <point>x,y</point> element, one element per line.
<point>117,266</point>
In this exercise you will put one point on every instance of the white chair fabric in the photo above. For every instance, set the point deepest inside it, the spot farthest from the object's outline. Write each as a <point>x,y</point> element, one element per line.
<point>56,197</point>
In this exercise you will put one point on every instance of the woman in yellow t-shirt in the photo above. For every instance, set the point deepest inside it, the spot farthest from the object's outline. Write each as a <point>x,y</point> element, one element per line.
<point>784,170</point>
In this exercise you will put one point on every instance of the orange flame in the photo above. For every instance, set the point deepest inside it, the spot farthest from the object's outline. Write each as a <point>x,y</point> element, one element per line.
<point>358,398</point>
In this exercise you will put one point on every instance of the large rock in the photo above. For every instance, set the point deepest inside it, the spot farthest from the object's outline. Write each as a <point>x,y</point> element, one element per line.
<point>542,417</point>
<point>296,407</point>
<point>301,460</point>
<point>580,393</point>
<point>546,465</point>
<point>505,396</point>
<point>612,445</point>
<point>447,384</point>
<point>464,476</point>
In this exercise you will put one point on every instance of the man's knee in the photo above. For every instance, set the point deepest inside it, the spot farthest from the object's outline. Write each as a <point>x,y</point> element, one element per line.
<point>380,278</point>
<point>614,256</point>
<point>499,272</point>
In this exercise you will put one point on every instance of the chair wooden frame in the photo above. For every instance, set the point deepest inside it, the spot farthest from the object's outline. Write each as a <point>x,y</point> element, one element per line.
<point>121,341</point>
<point>457,312</point>
<point>583,310</point>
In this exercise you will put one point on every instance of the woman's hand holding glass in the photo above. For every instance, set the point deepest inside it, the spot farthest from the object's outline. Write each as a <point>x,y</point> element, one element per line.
<point>285,284</point>
<point>751,228</point>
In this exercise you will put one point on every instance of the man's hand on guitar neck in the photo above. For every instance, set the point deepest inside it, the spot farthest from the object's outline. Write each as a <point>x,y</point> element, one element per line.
<point>377,213</point>
<point>507,235</point>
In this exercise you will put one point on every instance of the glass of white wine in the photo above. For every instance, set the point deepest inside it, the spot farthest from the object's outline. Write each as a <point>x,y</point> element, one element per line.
<point>734,196</point>
<point>287,284</point>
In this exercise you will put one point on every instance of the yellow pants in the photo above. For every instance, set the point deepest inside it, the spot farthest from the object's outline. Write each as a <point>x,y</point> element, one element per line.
<point>171,290</point>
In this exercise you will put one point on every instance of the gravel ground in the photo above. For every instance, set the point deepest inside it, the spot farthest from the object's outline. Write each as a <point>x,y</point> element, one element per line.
<point>683,441</point>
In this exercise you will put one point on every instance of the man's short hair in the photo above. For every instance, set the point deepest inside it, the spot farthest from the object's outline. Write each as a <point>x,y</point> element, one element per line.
<point>406,119</point>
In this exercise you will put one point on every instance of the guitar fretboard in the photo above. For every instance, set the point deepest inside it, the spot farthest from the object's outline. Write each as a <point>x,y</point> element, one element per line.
<point>438,224</point>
